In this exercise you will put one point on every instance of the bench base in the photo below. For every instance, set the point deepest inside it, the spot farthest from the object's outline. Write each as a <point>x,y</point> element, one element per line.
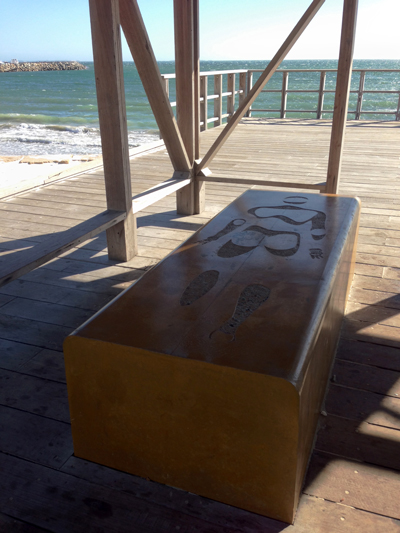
<point>205,384</point>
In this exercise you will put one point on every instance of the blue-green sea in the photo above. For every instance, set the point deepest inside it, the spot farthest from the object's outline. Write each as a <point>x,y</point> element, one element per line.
<point>56,112</point>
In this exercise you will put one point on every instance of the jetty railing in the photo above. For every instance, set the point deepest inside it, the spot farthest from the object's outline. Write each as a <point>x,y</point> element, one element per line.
<point>240,82</point>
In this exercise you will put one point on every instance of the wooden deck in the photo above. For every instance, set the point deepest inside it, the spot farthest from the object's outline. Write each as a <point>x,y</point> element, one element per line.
<point>353,480</point>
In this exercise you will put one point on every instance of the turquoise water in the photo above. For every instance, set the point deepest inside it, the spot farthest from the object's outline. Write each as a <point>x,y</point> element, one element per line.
<point>56,112</point>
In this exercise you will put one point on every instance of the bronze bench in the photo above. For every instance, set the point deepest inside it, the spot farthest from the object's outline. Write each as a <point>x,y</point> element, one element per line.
<point>209,373</point>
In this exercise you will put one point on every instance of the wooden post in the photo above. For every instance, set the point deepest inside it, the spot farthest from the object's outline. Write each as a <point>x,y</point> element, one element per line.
<point>204,102</point>
<point>321,94</point>
<point>285,80</point>
<point>218,99</point>
<point>249,87</point>
<point>342,94</point>
<point>146,64</point>
<point>166,86</point>
<point>196,74</point>
<point>230,107</point>
<point>242,86</point>
<point>186,37</point>
<point>262,80</point>
<point>360,94</point>
<point>107,57</point>
<point>199,187</point>
<point>398,109</point>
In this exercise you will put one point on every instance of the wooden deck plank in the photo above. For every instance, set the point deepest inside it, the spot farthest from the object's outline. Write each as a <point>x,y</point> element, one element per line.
<point>368,443</point>
<point>354,484</point>
<point>62,502</point>
<point>34,438</point>
<point>38,310</point>
<point>30,394</point>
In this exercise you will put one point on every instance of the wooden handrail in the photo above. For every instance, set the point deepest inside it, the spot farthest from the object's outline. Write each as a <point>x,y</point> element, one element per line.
<point>245,83</point>
<point>322,91</point>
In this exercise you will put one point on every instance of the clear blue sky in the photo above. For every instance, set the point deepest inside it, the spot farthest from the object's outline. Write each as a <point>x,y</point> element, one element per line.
<point>230,29</point>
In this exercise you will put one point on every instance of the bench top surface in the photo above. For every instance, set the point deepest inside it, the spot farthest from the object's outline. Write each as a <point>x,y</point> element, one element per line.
<point>242,290</point>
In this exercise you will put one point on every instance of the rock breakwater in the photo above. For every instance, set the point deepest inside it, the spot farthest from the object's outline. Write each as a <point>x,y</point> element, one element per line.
<point>40,66</point>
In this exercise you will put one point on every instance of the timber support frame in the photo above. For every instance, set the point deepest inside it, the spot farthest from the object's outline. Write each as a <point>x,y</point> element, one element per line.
<point>182,135</point>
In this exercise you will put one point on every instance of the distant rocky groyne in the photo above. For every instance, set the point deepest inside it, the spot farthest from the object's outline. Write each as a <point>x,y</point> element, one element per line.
<point>41,65</point>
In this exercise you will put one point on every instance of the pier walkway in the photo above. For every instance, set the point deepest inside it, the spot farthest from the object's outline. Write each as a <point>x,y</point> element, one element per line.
<point>353,481</point>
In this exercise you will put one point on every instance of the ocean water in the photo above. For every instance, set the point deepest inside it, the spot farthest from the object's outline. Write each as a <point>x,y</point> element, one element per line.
<point>56,112</point>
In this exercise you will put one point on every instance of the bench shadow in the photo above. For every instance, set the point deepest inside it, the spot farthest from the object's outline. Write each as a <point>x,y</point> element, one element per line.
<point>362,406</point>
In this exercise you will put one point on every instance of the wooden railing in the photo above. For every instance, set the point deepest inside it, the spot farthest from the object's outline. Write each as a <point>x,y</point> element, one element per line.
<point>228,79</point>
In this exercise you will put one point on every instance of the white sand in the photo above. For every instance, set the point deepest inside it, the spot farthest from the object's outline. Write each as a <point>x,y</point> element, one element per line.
<point>24,172</point>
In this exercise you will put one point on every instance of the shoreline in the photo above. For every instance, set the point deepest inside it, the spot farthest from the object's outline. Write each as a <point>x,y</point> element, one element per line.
<point>18,176</point>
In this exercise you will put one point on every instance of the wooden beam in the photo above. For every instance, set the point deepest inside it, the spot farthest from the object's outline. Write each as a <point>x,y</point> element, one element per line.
<point>19,263</point>
<point>107,57</point>
<point>343,81</point>
<point>263,79</point>
<point>160,191</point>
<point>146,64</point>
<point>190,199</point>
<point>262,183</point>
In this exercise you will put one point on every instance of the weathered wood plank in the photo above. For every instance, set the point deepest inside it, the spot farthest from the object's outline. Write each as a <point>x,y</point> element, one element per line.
<point>35,438</point>
<point>364,442</point>
<point>9,524</point>
<point>354,484</point>
<point>65,503</point>
<point>31,394</point>
<point>378,409</point>
<point>31,332</point>
<point>217,513</point>
<point>320,516</point>
<point>47,364</point>
<point>46,312</point>
<point>14,354</point>
<point>369,354</point>
<point>367,378</point>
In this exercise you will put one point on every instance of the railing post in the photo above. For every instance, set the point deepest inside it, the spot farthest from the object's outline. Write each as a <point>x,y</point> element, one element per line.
<point>204,102</point>
<point>321,93</point>
<point>230,106</point>
<point>285,80</point>
<point>218,99</point>
<point>398,109</point>
<point>107,57</point>
<point>166,85</point>
<point>242,86</point>
<point>249,87</point>
<point>360,94</point>
<point>165,82</point>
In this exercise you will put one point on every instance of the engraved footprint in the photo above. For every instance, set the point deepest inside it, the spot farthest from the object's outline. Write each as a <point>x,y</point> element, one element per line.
<point>233,224</point>
<point>199,286</point>
<point>249,301</point>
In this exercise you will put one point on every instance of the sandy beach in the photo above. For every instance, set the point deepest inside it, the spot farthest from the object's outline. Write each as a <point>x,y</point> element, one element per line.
<point>20,173</point>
